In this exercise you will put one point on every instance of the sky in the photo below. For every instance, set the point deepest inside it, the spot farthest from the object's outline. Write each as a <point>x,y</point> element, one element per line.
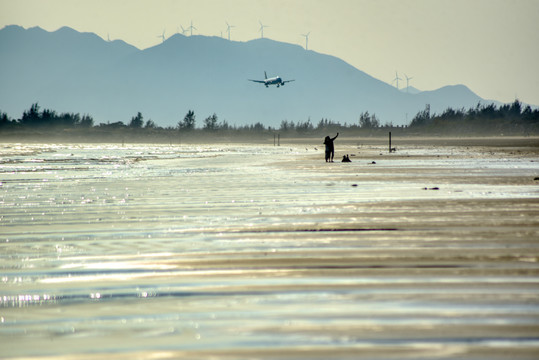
<point>488,45</point>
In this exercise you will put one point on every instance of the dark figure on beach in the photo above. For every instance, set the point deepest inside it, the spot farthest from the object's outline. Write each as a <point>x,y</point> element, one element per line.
<point>346,158</point>
<point>330,149</point>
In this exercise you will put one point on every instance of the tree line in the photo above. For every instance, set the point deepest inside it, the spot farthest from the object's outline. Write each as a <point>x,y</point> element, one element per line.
<point>489,119</point>
<point>508,118</point>
<point>46,118</point>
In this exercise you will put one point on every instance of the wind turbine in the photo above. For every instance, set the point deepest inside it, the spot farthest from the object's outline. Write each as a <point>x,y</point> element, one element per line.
<point>306,40</point>
<point>228,27</point>
<point>162,36</point>
<point>261,30</point>
<point>191,28</point>
<point>407,81</point>
<point>396,79</point>
<point>184,31</point>
<point>108,37</point>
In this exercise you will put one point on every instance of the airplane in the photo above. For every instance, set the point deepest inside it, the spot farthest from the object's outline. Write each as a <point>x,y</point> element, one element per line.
<point>272,81</point>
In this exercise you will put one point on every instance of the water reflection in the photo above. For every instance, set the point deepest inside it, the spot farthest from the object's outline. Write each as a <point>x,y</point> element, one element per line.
<point>129,250</point>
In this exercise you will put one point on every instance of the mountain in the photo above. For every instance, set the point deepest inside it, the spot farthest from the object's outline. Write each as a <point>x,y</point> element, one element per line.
<point>70,71</point>
<point>410,90</point>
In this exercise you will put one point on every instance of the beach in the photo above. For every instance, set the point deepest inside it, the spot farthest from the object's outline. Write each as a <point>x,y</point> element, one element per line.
<point>256,251</point>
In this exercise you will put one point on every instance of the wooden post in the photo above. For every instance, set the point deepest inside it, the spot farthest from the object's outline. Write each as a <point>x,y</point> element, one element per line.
<point>273,139</point>
<point>278,139</point>
<point>390,148</point>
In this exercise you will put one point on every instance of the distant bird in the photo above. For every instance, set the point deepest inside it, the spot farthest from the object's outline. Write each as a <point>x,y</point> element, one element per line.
<point>228,27</point>
<point>396,79</point>
<point>261,30</point>
<point>306,40</point>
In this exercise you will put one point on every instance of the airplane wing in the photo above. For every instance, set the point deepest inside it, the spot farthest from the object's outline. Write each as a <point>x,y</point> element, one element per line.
<point>284,82</point>
<point>257,81</point>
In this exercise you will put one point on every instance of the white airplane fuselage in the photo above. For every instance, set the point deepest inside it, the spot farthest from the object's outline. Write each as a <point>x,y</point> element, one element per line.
<point>277,80</point>
<point>274,81</point>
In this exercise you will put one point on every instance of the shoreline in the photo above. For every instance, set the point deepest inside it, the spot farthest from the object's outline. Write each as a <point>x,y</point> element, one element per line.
<point>269,138</point>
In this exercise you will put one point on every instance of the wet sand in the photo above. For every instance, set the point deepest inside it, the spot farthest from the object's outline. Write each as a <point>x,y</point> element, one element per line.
<point>232,252</point>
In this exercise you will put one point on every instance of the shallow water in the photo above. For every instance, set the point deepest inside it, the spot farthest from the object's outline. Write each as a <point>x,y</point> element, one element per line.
<point>264,252</point>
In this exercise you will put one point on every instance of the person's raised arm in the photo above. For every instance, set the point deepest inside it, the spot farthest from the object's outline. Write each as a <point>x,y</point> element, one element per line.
<point>335,136</point>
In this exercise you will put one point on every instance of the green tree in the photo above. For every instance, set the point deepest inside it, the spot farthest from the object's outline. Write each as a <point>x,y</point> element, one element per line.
<point>87,121</point>
<point>224,125</point>
<point>188,122</point>
<point>4,119</point>
<point>49,117</point>
<point>32,116</point>
<point>210,123</point>
<point>137,121</point>
<point>366,121</point>
<point>327,124</point>
<point>303,127</point>
<point>150,124</point>
<point>259,127</point>
<point>287,125</point>
<point>422,117</point>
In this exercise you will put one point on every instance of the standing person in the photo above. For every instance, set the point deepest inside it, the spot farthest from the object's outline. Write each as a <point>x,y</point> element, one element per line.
<point>330,149</point>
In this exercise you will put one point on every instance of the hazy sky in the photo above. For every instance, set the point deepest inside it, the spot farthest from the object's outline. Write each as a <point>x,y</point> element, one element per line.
<point>489,45</point>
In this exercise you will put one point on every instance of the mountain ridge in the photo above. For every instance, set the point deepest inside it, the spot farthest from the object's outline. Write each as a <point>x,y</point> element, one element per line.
<point>80,72</point>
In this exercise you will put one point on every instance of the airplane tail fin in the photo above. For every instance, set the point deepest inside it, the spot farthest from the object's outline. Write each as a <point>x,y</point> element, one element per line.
<point>265,76</point>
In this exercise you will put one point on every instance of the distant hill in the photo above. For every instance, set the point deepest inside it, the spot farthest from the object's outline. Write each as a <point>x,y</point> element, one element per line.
<point>410,90</point>
<point>70,71</point>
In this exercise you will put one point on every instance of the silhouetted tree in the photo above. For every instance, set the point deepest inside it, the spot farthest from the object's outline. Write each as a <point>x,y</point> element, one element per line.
<point>150,124</point>
<point>4,119</point>
<point>303,127</point>
<point>224,125</point>
<point>258,127</point>
<point>210,123</point>
<point>325,124</point>
<point>49,117</point>
<point>422,117</point>
<point>188,122</point>
<point>87,121</point>
<point>66,120</point>
<point>137,121</point>
<point>31,117</point>
<point>114,125</point>
<point>489,119</point>
<point>287,125</point>
<point>515,109</point>
<point>367,121</point>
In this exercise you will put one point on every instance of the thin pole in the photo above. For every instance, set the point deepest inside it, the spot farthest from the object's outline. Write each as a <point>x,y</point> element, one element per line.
<point>390,141</point>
